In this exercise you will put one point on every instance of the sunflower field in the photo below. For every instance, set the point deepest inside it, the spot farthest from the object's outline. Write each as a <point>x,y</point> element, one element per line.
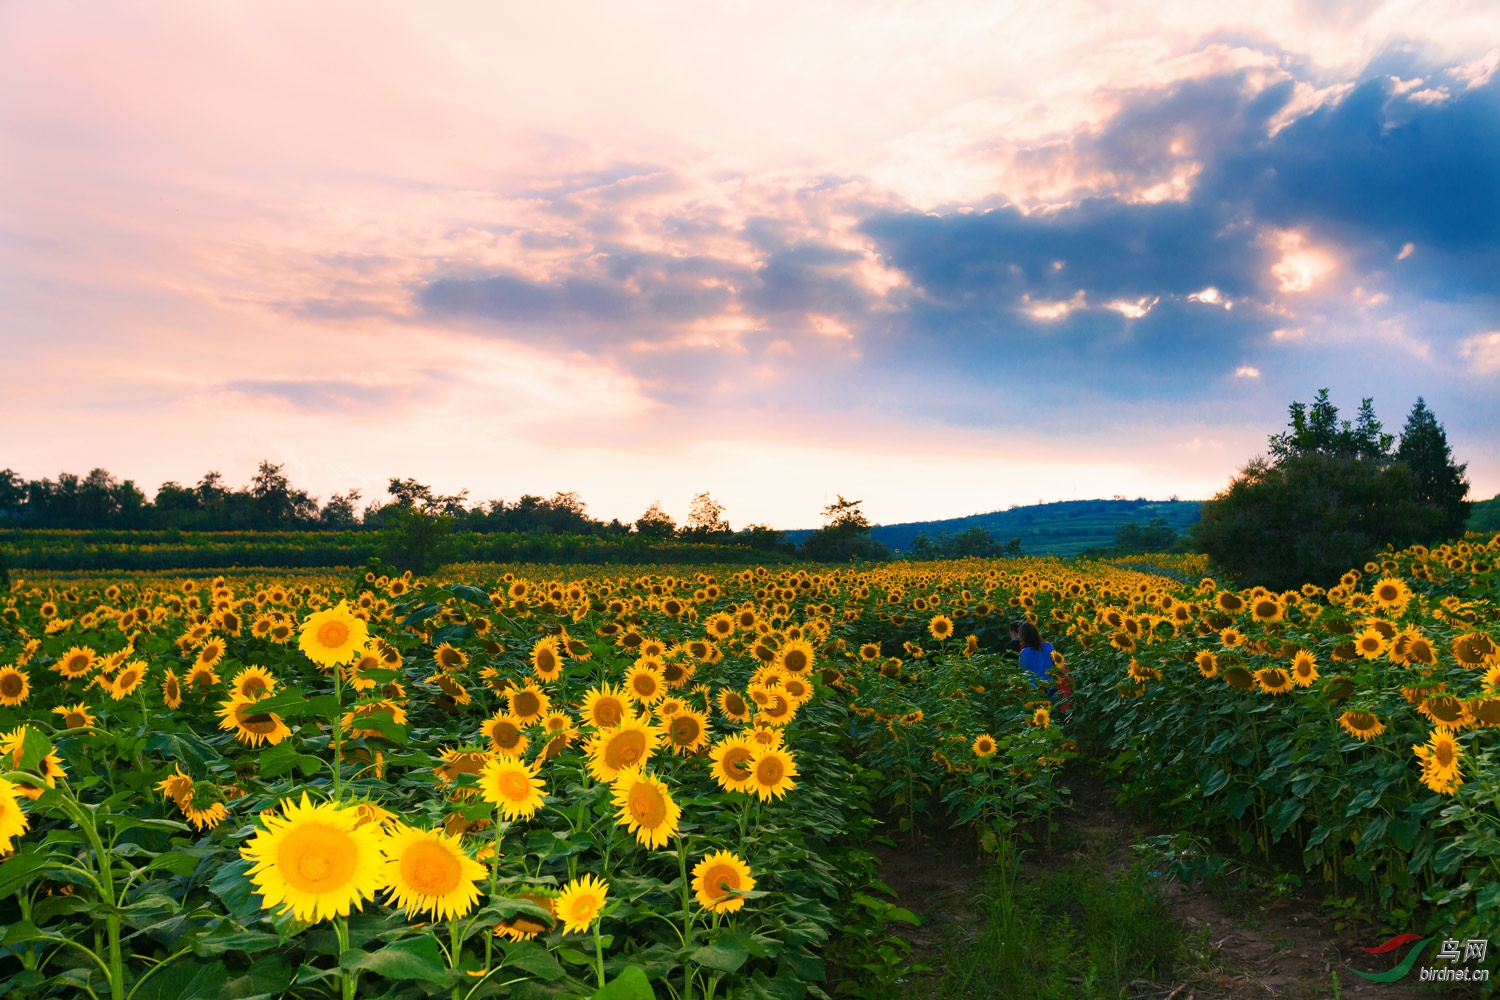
<point>501,784</point>
<point>551,781</point>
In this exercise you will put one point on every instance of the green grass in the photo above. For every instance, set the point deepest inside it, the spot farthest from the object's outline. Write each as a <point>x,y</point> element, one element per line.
<point>1073,933</point>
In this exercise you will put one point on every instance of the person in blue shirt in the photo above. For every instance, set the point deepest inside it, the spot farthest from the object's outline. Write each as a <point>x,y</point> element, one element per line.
<point>1036,655</point>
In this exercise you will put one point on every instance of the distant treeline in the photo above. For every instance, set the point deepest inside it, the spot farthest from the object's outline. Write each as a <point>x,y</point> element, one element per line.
<point>100,522</point>
<point>100,501</point>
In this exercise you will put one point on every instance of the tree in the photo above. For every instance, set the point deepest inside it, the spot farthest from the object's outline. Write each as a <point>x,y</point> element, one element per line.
<point>12,494</point>
<point>975,542</point>
<point>706,516</point>
<point>655,523</point>
<point>415,539</point>
<point>1154,536</point>
<point>1318,430</point>
<point>1309,518</point>
<point>1440,481</point>
<point>845,535</point>
<point>341,512</point>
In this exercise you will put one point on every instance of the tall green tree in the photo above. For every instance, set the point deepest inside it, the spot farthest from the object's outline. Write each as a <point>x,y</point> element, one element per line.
<point>1330,495</point>
<point>845,535</point>
<point>1440,480</point>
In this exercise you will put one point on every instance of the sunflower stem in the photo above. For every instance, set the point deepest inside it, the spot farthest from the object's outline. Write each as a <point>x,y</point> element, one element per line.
<point>347,984</point>
<point>489,939</point>
<point>338,731</point>
<point>599,951</point>
<point>455,945</point>
<point>687,918</point>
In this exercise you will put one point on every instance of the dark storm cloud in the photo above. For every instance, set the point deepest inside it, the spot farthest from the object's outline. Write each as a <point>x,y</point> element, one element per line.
<point>1366,175</point>
<point>1105,293</point>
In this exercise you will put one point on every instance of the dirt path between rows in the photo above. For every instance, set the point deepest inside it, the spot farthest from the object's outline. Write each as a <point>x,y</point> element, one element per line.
<point>1234,950</point>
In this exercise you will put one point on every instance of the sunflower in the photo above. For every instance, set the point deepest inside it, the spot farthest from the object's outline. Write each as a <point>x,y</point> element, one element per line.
<point>629,744</point>
<point>1041,718</point>
<point>13,822</point>
<point>528,704</point>
<point>869,652</point>
<point>1485,712</point>
<point>557,722</point>
<point>74,716</point>
<point>505,734</point>
<point>211,653</point>
<point>250,727</point>
<point>644,684</point>
<point>316,861</point>
<point>1370,643</point>
<point>15,686</point>
<point>1361,725</point>
<point>450,687</point>
<point>687,731</point>
<point>1208,663</point>
<point>449,658</point>
<point>1442,761</point>
<point>171,690</point>
<point>1266,609</point>
<point>732,758</point>
<point>334,637</point>
<point>771,773</point>
<point>796,656</point>
<point>604,707</point>
<point>201,677</point>
<point>252,683</point>
<point>1273,680</point>
<point>1304,668</point>
<point>733,705</point>
<point>720,881</point>
<point>798,689</point>
<point>204,805</point>
<point>126,681</point>
<point>719,625</point>
<point>1239,677</point>
<point>1446,710</point>
<point>1392,594</point>
<point>1230,602</point>
<point>1232,637</point>
<point>525,926</point>
<point>176,786</point>
<point>75,663</point>
<point>459,762</point>
<point>1475,649</point>
<point>645,806</point>
<point>427,871</point>
<point>940,627</point>
<point>512,786</point>
<point>546,659</point>
<point>580,903</point>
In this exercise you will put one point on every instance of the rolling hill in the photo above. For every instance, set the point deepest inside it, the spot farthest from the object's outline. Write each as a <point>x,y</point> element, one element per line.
<point>1064,528</point>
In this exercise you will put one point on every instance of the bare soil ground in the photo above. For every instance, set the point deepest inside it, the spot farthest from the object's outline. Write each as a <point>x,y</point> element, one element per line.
<point>1234,948</point>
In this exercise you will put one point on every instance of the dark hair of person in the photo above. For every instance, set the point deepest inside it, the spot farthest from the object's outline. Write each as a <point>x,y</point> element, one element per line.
<point>1015,628</point>
<point>1030,637</point>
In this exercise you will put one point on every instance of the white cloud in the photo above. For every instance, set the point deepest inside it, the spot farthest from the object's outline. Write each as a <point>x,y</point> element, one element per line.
<point>1247,371</point>
<point>1482,352</point>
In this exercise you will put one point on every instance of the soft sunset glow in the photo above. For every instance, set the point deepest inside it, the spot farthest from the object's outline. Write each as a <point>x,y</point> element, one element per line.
<point>775,251</point>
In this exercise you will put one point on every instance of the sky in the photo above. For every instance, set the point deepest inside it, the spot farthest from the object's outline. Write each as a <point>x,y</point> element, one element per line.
<point>939,257</point>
